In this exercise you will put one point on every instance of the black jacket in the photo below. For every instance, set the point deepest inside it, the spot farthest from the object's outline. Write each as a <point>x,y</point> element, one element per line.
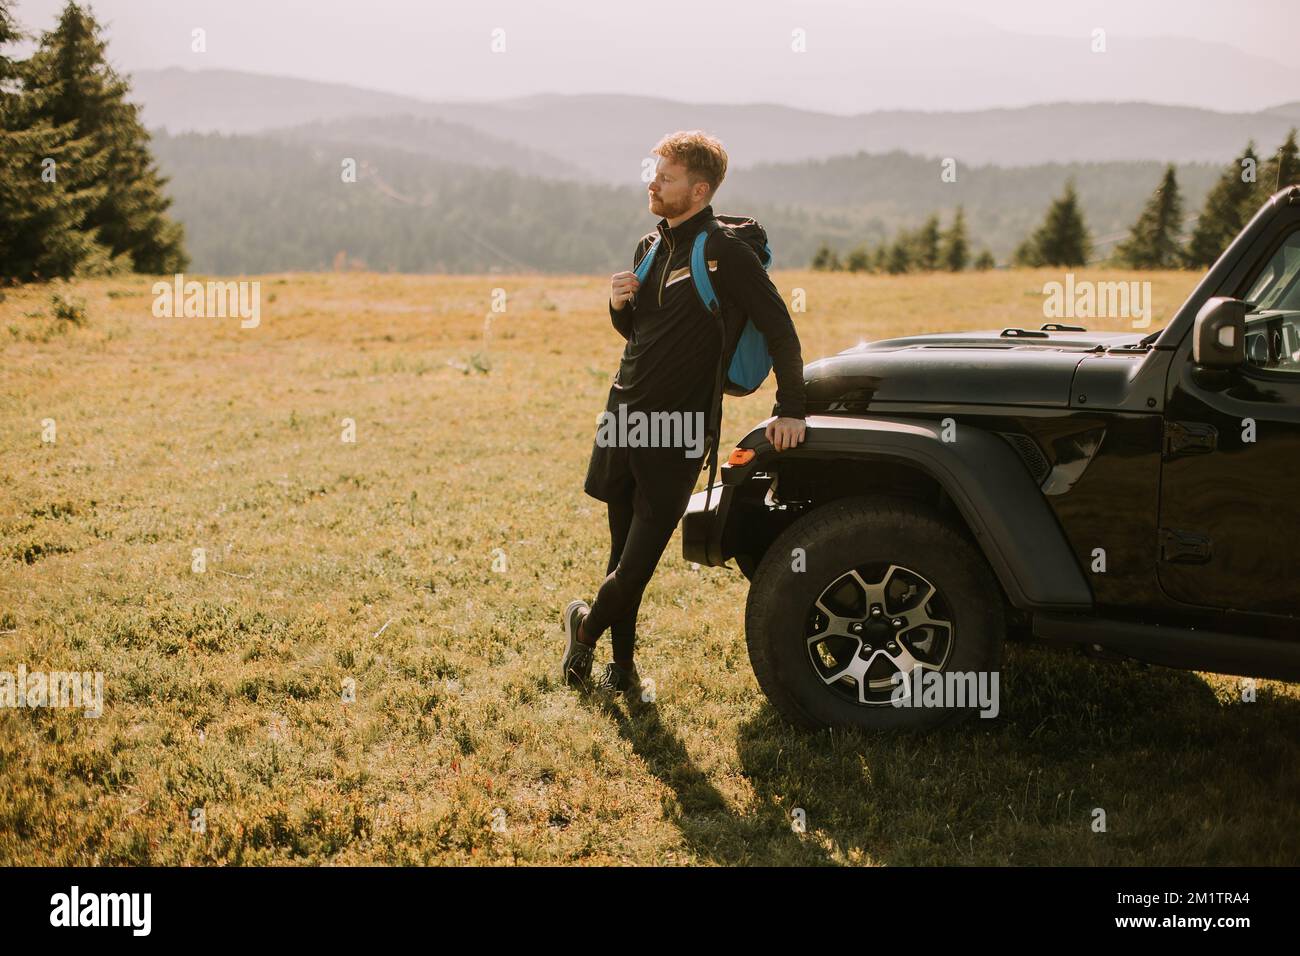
<point>673,342</point>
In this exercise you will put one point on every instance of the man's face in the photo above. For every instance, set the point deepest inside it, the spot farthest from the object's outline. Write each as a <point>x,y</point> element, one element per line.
<point>671,192</point>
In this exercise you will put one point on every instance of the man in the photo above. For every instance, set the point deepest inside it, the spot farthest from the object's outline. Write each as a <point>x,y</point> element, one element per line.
<point>670,365</point>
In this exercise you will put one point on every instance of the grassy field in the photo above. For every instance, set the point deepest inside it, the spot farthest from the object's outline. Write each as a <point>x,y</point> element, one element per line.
<point>373,561</point>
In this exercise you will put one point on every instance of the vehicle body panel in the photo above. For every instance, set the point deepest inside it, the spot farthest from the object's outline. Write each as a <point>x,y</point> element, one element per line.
<point>1078,468</point>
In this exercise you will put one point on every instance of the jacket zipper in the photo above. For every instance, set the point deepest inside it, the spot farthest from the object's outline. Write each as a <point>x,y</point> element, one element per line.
<point>668,261</point>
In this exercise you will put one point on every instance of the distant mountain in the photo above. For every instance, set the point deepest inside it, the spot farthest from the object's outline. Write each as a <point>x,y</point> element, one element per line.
<point>255,204</point>
<point>552,183</point>
<point>1289,111</point>
<point>228,101</point>
<point>1002,204</point>
<point>435,138</point>
<point>827,56</point>
<point>270,203</point>
<point>608,136</point>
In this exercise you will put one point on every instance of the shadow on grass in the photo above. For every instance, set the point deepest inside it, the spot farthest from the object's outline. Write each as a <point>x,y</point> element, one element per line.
<point>1182,776</point>
<point>708,825</point>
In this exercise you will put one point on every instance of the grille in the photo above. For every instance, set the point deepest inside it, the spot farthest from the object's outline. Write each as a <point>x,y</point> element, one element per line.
<point>1029,453</point>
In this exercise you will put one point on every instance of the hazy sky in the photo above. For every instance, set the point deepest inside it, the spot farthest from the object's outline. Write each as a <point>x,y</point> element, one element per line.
<point>873,54</point>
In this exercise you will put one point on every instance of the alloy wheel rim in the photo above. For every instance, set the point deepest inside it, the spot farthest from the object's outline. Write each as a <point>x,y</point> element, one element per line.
<point>873,622</point>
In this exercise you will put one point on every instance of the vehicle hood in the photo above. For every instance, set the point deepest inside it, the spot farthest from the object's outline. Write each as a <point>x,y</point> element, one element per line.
<point>1007,367</point>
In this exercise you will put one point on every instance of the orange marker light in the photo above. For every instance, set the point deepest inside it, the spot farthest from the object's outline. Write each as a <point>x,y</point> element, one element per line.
<point>740,456</point>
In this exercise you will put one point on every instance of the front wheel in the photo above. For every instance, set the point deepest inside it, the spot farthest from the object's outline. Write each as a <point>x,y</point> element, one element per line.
<point>844,631</point>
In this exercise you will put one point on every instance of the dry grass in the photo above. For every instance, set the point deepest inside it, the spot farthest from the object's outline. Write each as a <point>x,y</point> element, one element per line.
<point>373,561</point>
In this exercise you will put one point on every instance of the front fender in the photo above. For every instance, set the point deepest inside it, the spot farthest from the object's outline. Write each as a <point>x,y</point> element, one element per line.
<point>1001,504</point>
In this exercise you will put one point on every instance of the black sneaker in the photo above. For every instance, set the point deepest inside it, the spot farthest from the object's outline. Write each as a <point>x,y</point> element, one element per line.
<point>575,667</point>
<point>621,679</point>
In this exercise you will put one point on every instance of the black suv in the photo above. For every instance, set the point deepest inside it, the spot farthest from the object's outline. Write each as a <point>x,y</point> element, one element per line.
<point>1134,495</point>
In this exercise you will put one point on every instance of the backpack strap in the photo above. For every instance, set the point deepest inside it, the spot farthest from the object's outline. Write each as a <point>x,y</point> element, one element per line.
<point>714,434</point>
<point>700,268</point>
<point>704,288</point>
<point>643,267</point>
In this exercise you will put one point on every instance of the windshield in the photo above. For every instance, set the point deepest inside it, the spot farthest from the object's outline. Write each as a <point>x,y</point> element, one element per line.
<point>1273,323</point>
<point>1278,286</point>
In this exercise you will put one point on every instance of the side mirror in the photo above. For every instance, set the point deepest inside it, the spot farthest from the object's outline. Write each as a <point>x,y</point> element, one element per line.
<point>1219,335</point>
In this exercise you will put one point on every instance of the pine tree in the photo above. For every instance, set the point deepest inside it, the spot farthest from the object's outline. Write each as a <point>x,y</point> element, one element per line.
<point>956,250</point>
<point>1282,169</point>
<point>1153,240</point>
<point>81,88</point>
<point>926,254</point>
<point>9,70</point>
<point>828,258</point>
<point>880,259</point>
<point>1224,212</point>
<point>41,211</point>
<point>984,261</point>
<point>899,258</point>
<point>858,259</point>
<point>1062,239</point>
<point>825,258</point>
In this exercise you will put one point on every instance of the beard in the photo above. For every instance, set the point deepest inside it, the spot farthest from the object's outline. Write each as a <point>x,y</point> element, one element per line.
<point>666,209</point>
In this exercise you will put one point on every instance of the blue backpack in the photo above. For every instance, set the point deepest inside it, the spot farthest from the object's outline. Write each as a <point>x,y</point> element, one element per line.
<point>744,349</point>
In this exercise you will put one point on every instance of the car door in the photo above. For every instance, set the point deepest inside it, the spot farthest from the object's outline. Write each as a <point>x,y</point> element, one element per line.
<point>1229,533</point>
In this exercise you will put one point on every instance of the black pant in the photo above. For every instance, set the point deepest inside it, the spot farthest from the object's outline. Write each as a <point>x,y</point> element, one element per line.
<point>639,533</point>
